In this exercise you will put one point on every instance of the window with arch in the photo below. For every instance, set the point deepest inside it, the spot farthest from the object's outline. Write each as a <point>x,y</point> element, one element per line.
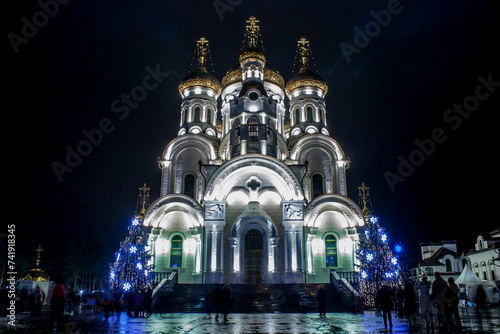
<point>310,115</point>
<point>189,185</point>
<point>296,115</point>
<point>253,145</point>
<point>184,115</point>
<point>331,251</point>
<point>176,252</point>
<point>448,265</point>
<point>317,185</point>
<point>196,116</point>
<point>209,116</point>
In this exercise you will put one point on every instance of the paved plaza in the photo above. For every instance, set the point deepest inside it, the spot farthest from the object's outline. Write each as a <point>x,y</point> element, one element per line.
<point>487,321</point>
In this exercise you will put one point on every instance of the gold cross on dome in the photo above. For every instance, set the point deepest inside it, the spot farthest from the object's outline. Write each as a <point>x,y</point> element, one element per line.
<point>38,250</point>
<point>303,44</point>
<point>201,49</point>
<point>252,31</point>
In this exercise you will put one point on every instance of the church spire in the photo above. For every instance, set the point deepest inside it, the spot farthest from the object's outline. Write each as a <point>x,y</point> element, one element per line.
<point>252,31</point>
<point>202,51</point>
<point>142,201</point>
<point>304,50</point>
<point>365,201</point>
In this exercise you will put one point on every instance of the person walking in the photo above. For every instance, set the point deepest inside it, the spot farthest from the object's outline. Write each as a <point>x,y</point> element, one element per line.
<point>453,302</point>
<point>57,300</point>
<point>218,297</point>
<point>227,301</point>
<point>321,297</point>
<point>409,304</point>
<point>138,300</point>
<point>439,288</point>
<point>424,301</point>
<point>386,303</point>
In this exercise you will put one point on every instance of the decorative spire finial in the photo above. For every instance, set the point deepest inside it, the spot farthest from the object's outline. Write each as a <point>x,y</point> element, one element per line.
<point>202,50</point>
<point>304,50</point>
<point>364,198</point>
<point>38,250</point>
<point>253,31</point>
<point>142,201</point>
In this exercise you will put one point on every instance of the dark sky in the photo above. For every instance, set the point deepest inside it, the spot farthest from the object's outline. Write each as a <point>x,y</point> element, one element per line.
<point>73,64</point>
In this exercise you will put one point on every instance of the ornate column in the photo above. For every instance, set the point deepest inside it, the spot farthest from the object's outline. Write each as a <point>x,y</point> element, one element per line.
<point>214,218</point>
<point>293,222</point>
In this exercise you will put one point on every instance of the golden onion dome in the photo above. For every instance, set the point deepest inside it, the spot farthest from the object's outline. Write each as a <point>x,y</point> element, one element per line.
<point>306,78</point>
<point>252,54</point>
<point>271,74</point>
<point>202,78</point>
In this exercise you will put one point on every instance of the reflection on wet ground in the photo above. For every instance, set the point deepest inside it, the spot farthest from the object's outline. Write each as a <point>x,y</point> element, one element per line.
<point>485,321</point>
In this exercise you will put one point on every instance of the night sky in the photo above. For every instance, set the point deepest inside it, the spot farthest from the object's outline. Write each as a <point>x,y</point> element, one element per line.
<point>65,75</point>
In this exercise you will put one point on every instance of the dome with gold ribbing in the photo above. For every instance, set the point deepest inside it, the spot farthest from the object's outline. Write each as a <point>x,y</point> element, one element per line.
<point>305,77</point>
<point>200,77</point>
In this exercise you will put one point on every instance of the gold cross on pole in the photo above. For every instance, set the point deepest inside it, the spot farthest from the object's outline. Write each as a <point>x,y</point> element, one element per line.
<point>252,31</point>
<point>38,250</point>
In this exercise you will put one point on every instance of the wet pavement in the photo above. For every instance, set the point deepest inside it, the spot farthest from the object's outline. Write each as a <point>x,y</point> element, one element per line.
<point>485,321</point>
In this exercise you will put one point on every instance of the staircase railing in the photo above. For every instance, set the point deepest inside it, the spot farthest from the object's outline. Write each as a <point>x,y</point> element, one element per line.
<point>166,285</point>
<point>350,295</point>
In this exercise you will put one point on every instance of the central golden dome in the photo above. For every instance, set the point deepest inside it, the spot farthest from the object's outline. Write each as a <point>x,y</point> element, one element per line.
<point>271,74</point>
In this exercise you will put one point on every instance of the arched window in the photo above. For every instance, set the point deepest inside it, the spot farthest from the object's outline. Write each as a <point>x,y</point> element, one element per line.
<point>196,118</point>
<point>448,265</point>
<point>253,144</point>
<point>189,183</point>
<point>317,185</point>
<point>331,251</point>
<point>209,116</point>
<point>310,117</point>
<point>176,252</point>
<point>297,116</point>
<point>183,115</point>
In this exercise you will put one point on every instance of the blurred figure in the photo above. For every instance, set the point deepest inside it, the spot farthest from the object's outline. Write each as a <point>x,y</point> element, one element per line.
<point>138,300</point>
<point>57,300</point>
<point>71,301</point>
<point>386,303</point>
<point>453,302</point>
<point>409,304</point>
<point>321,297</point>
<point>227,301</point>
<point>424,301</point>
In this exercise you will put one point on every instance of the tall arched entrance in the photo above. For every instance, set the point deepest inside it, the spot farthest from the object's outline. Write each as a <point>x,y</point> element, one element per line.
<point>254,257</point>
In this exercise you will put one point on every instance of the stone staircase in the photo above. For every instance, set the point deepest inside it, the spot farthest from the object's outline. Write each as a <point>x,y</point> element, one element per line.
<point>250,298</point>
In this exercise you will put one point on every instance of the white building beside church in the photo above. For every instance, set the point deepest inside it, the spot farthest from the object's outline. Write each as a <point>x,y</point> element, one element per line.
<point>253,191</point>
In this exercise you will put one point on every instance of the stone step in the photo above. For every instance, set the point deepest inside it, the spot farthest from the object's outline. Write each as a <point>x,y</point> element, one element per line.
<point>249,298</point>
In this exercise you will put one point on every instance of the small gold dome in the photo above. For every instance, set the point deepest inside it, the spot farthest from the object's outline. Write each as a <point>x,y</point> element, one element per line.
<point>253,54</point>
<point>270,75</point>
<point>305,78</point>
<point>202,78</point>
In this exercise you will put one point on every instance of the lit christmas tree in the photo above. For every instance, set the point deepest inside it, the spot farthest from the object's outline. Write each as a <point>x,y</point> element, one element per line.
<point>377,262</point>
<point>131,268</point>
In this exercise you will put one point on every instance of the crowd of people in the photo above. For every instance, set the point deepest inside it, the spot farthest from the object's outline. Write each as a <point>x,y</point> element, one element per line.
<point>438,300</point>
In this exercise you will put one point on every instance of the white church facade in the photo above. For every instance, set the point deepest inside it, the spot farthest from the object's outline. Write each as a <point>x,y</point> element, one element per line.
<point>253,191</point>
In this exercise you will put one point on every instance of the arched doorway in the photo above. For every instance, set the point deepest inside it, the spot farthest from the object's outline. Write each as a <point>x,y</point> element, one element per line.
<point>254,256</point>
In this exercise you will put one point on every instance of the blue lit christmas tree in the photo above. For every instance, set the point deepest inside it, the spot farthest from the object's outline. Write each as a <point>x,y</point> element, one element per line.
<point>131,268</point>
<point>377,262</point>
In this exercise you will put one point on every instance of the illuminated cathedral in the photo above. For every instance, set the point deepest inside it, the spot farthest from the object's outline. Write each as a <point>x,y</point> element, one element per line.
<point>253,191</point>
